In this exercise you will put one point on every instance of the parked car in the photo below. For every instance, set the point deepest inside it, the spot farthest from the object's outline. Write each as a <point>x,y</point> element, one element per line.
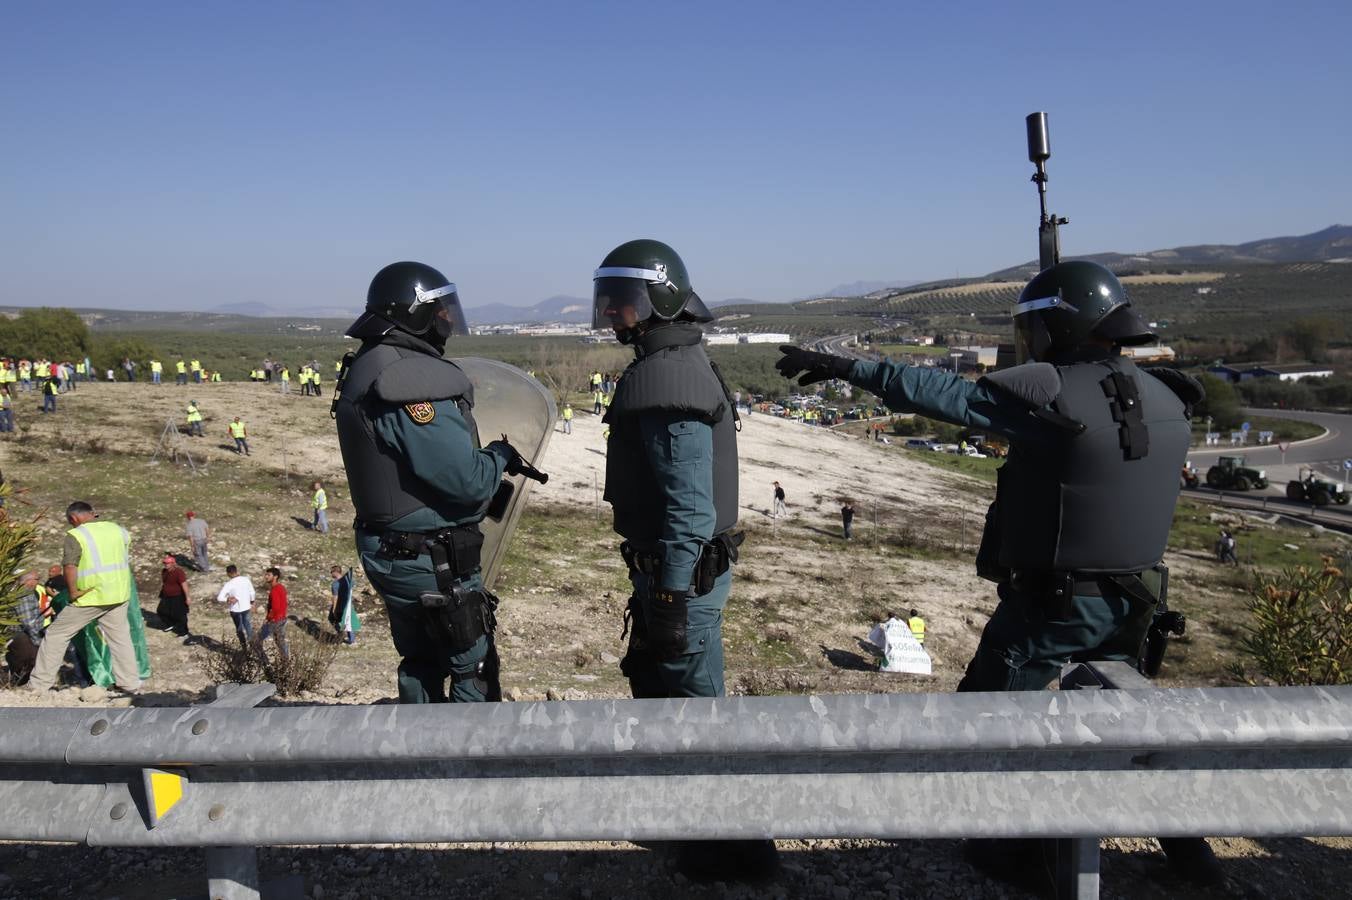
<point>919,444</point>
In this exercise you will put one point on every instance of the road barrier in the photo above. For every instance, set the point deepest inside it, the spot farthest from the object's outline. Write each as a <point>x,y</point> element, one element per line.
<point>1070,764</point>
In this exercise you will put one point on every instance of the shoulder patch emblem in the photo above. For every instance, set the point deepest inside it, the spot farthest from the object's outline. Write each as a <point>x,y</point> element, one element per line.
<point>421,413</point>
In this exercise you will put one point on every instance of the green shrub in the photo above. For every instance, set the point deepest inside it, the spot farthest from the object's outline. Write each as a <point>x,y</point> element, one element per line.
<point>1300,630</point>
<point>18,536</point>
<point>304,670</point>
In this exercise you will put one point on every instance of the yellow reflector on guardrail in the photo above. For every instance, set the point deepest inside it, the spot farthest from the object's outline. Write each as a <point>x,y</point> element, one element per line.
<point>163,791</point>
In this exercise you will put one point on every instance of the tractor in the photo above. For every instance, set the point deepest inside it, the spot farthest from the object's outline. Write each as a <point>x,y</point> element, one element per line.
<point>1231,473</point>
<point>1310,488</point>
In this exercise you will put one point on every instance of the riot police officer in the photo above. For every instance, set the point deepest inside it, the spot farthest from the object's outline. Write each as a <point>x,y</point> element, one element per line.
<point>671,478</point>
<point>1085,500</point>
<point>421,483</point>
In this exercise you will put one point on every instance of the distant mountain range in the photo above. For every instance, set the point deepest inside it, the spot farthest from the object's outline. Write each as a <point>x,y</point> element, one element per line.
<point>272,312</point>
<point>1332,243</point>
<point>559,308</point>
<point>856,289</point>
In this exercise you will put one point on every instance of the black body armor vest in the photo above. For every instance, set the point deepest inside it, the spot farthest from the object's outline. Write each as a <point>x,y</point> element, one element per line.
<point>1102,500</point>
<point>671,375</point>
<point>383,376</point>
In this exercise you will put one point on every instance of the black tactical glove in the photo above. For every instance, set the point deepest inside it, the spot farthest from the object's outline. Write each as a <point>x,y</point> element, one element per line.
<point>503,448</point>
<point>814,366</point>
<point>666,624</point>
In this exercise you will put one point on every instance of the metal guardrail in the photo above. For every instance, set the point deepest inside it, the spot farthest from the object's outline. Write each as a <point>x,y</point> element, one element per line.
<point>1212,761</point>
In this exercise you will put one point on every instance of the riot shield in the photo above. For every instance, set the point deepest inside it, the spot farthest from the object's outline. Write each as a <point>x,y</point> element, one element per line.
<point>508,401</point>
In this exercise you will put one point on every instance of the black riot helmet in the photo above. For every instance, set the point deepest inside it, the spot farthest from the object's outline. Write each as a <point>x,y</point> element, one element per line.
<point>411,297</point>
<point>640,281</point>
<point>1067,304</point>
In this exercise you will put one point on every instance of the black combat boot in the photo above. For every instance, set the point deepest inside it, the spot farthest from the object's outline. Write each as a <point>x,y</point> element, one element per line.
<point>1192,860</point>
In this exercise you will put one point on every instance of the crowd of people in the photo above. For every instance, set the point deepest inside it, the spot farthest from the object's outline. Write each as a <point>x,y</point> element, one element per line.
<point>308,374</point>
<point>87,613</point>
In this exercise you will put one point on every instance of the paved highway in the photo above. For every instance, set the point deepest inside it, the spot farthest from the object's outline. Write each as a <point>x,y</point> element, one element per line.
<point>1335,445</point>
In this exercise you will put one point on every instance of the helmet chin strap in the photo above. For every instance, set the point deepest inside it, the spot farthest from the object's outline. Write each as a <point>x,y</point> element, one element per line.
<point>439,333</point>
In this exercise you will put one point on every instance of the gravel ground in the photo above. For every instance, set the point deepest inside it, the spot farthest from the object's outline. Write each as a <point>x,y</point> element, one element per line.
<point>839,870</point>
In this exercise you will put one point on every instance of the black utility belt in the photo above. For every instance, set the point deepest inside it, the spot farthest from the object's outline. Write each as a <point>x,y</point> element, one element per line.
<point>1038,581</point>
<point>715,558</point>
<point>404,544</point>
<point>457,549</point>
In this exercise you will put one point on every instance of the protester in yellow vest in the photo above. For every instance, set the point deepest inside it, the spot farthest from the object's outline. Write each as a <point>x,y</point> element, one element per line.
<point>194,420</point>
<point>286,380</point>
<point>917,625</point>
<point>320,503</point>
<point>196,368</point>
<point>98,572</point>
<point>241,436</point>
<point>180,372</point>
<point>567,418</point>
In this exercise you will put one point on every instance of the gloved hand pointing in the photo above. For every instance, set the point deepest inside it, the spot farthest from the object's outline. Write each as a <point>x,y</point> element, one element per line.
<point>814,366</point>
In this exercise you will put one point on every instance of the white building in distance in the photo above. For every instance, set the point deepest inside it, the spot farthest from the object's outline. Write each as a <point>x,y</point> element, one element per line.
<point>760,337</point>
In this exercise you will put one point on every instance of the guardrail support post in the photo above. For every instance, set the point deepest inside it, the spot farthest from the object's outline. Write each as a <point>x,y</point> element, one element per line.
<point>1077,869</point>
<point>232,873</point>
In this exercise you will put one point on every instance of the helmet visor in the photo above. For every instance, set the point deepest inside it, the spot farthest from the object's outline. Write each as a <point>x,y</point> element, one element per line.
<point>437,303</point>
<point>619,302</point>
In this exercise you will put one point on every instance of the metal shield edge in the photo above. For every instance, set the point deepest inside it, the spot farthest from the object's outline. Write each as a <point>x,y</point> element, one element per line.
<point>508,401</point>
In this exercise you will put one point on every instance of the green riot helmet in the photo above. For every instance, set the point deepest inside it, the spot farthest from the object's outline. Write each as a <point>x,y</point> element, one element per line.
<point>411,297</point>
<point>640,281</point>
<point>1066,305</point>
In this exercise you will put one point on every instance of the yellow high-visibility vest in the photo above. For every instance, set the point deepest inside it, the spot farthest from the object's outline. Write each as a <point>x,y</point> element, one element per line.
<point>320,499</point>
<point>917,628</point>
<point>181,367</point>
<point>237,429</point>
<point>194,414</point>
<point>103,569</point>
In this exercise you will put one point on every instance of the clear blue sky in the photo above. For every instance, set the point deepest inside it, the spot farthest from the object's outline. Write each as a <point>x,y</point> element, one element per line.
<point>189,155</point>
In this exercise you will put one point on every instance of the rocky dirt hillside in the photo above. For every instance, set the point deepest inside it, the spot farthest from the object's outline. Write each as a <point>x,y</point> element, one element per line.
<point>803,600</point>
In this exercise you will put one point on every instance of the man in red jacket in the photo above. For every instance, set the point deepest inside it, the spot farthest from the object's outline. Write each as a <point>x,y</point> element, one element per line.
<point>276,620</point>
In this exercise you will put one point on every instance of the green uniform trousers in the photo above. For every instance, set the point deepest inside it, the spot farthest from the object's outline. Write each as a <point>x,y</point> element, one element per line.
<point>427,662</point>
<point>1027,641</point>
<point>696,673</point>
